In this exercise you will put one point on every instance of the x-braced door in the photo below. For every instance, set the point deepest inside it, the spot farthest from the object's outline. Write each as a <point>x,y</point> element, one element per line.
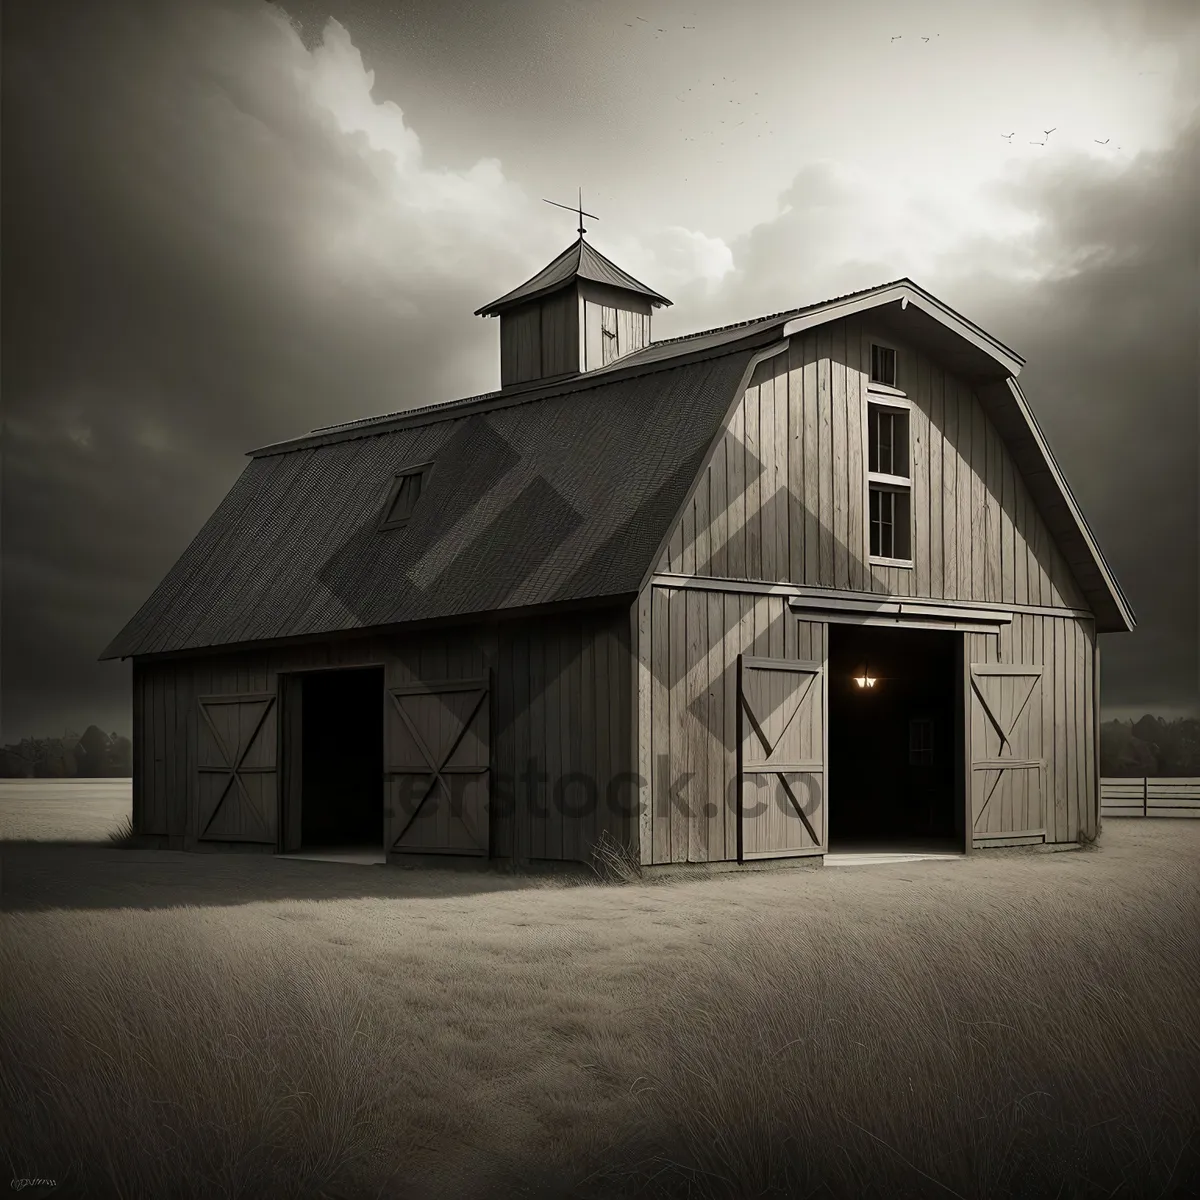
<point>236,763</point>
<point>1007,764</point>
<point>438,756</point>
<point>781,750</point>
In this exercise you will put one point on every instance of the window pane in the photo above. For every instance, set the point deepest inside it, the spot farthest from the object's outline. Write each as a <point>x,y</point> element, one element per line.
<point>875,532</point>
<point>902,524</point>
<point>886,432</point>
<point>872,438</point>
<point>397,509</point>
<point>883,365</point>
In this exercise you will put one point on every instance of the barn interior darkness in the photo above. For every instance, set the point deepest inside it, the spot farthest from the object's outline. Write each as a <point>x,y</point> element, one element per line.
<point>342,758</point>
<point>892,743</point>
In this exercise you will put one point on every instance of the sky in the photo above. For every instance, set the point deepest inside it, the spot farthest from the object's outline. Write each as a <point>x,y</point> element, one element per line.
<point>227,222</point>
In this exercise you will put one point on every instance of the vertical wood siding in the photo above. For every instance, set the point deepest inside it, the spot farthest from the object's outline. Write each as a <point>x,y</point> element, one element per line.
<point>561,697</point>
<point>785,498</point>
<point>688,640</point>
<point>625,314</point>
<point>686,727</point>
<point>540,339</point>
<point>1063,648</point>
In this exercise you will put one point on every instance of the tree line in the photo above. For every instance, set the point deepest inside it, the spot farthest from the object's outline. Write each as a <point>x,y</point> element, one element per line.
<point>1150,747</point>
<point>92,754</point>
<point>1128,749</point>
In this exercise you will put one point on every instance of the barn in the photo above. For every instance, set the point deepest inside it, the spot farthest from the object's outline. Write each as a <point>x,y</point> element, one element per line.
<point>802,584</point>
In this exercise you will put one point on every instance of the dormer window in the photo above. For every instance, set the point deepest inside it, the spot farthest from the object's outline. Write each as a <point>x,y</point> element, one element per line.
<point>406,491</point>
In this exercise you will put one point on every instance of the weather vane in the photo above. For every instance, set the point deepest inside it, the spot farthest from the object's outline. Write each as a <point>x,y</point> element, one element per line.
<point>577,208</point>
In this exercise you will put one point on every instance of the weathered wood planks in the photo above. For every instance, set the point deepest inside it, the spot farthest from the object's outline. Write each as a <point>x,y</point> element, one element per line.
<point>785,496</point>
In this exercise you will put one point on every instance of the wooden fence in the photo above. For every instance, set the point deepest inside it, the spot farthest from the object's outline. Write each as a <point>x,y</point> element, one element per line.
<point>1150,797</point>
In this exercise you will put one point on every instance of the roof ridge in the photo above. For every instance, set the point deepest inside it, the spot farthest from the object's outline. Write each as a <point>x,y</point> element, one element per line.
<point>786,312</point>
<point>588,380</point>
<point>684,337</point>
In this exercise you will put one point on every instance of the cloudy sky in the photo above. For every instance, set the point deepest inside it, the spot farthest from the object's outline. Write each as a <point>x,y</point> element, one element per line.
<point>226,222</point>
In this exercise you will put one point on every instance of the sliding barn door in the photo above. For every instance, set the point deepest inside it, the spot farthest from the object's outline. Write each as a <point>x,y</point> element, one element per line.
<point>236,741</point>
<point>1007,764</point>
<point>782,707</point>
<point>438,753</point>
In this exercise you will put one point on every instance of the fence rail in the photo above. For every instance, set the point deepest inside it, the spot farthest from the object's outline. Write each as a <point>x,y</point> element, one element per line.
<point>1150,797</point>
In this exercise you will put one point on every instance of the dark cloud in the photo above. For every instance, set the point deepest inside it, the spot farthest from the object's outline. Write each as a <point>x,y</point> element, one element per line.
<point>1114,375</point>
<point>213,239</point>
<point>205,250</point>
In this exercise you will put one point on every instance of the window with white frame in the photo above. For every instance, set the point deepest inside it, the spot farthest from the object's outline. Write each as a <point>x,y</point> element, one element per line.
<point>889,481</point>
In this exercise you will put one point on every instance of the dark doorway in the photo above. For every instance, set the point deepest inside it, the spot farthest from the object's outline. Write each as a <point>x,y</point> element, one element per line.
<point>335,784</point>
<point>892,738</point>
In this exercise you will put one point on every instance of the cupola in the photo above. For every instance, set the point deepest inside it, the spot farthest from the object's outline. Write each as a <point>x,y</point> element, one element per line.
<point>579,312</point>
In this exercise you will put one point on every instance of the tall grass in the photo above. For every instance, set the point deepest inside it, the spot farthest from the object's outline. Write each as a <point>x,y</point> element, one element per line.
<point>736,1038</point>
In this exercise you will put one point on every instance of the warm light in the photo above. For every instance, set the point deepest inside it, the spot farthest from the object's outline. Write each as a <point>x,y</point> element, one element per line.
<point>864,678</point>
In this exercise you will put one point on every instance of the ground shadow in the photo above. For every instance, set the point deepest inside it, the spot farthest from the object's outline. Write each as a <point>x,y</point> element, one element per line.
<point>75,875</point>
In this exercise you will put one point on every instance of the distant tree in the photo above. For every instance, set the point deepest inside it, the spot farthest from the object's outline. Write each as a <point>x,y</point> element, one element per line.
<point>120,755</point>
<point>93,751</point>
<point>14,765</point>
<point>1179,747</point>
<point>1150,746</point>
<point>1150,730</point>
<point>1114,745</point>
<point>54,758</point>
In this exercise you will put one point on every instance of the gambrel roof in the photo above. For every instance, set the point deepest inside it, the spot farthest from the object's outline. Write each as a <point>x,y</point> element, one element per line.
<point>539,493</point>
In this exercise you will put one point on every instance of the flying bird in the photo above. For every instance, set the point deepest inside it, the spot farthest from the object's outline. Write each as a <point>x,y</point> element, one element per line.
<point>1048,132</point>
<point>924,39</point>
<point>897,37</point>
<point>689,27</point>
<point>1037,143</point>
<point>1099,142</point>
<point>643,19</point>
<point>1009,136</point>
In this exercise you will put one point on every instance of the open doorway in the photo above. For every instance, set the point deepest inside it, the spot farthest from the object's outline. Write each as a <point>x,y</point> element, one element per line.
<point>333,764</point>
<point>893,738</point>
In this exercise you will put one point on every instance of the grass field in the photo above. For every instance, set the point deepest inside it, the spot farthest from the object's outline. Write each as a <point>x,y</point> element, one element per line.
<point>1012,1024</point>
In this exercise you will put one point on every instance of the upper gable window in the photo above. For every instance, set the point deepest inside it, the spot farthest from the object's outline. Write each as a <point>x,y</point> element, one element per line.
<point>406,491</point>
<point>889,482</point>
<point>883,365</point>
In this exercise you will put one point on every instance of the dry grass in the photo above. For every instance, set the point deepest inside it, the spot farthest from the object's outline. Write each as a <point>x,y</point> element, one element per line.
<point>1012,1025</point>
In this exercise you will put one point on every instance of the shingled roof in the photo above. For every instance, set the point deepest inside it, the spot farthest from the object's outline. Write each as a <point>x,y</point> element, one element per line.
<point>540,492</point>
<point>565,496</point>
<point>577,261</point>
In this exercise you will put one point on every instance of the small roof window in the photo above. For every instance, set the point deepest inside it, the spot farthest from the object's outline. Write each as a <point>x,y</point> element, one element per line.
<point>405,492</point>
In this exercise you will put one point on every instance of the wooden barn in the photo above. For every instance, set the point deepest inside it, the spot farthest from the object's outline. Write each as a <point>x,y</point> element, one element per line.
<point>799,584</point>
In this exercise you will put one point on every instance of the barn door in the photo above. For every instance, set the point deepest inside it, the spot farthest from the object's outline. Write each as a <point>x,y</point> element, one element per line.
<point>781,751</point>
<point>438,751</point>
<point>236,763</point>
<point>1005,736</point>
